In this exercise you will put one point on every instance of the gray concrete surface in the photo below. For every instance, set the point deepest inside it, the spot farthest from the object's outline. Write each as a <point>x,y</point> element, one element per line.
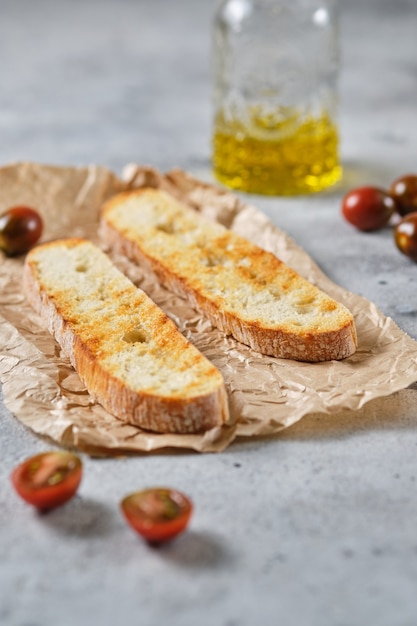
<point>317,527</point>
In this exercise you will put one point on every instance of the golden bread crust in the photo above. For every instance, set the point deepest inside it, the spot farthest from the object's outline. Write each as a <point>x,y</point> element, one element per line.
<point>128,352</point>
<point>244,290</point>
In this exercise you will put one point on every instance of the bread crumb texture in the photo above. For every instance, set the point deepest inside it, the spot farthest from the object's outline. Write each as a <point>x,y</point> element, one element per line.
<point>245,290</point>
<point>113,331</point>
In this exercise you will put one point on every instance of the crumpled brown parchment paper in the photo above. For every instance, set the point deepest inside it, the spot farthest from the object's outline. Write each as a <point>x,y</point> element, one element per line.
<point>266,394</point>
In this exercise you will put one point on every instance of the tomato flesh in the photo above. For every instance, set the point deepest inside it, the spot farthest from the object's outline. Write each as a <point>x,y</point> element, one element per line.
<point>20,228</point>
<point>49,479</point>
<point>368,208</point>
<point>158,514</point>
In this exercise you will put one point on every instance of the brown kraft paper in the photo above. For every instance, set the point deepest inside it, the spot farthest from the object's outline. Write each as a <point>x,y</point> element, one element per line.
<point>266,394</point>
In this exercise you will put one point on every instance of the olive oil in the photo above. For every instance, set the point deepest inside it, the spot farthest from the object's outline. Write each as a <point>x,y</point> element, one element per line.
<point>279,153</point>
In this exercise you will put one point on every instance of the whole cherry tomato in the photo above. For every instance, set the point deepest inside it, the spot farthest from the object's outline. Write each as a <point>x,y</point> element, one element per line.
<point>158,514</point>
<point>49,479</point>
<point>368,208</point>
<point>405,235</point>
<point>404,192</point>
<point>20,228</point>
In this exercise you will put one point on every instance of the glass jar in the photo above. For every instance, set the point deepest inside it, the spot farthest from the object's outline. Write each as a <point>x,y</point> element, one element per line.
<point>275,66</point>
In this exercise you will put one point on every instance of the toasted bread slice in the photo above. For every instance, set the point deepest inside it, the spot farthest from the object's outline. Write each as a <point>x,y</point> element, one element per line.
<point>132,358</point>
<point>244,290</point>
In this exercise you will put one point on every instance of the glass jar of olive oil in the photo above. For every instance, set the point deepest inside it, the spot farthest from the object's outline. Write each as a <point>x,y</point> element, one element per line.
<point>275,65</point>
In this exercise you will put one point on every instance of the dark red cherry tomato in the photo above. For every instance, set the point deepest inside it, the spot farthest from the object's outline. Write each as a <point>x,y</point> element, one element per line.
<point>49,479</point>
<point>20,228</point>
<point>405,235</point>
<point>368,208</point>
<point>404,192</point>
<point>158,514</point>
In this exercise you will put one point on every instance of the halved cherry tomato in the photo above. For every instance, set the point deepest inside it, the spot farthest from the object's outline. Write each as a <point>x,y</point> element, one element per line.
<point>49,479</point>
<point>158,513</point>
<point>20,228</point>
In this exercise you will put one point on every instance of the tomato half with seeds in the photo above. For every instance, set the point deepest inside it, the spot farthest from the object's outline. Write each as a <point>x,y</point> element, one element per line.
<point>158,513</point>
<point>49,479</point>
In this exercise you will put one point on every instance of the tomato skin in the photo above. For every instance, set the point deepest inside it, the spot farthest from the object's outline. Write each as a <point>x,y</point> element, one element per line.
<point>158,514</point>
<point>405,235</point>
<point>20,228</point>
<point>368,208</point>
<point>404,192</point>
<point>49,479</point>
